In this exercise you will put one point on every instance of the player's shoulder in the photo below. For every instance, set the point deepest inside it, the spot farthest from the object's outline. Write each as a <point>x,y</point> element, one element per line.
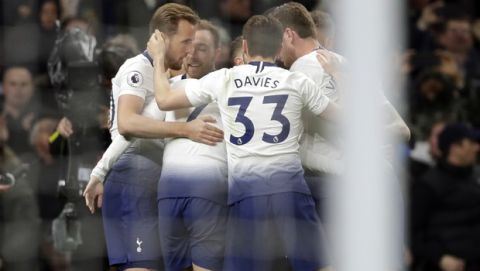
<point>309,59</point>
<point>220,74</point>
<point>298,78</point>
<point>137,63</point>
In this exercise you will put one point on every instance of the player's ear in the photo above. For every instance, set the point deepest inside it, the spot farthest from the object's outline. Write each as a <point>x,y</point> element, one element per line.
<point>288,35</point>
<point>245,47</point>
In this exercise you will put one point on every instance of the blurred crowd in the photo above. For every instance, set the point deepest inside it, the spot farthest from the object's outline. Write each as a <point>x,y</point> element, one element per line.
<point>441,68</point>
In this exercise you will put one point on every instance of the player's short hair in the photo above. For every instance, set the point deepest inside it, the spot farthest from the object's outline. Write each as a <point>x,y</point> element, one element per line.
<point>166,17</point>
<point>263,35</point>
<point>235,46</point>
<point>295,16</point>
<point>323,22</point>
<point>208,26</point>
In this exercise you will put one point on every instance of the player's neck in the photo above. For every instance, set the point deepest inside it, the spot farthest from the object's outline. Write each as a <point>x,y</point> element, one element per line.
<point>306,46</point>
<point>260,59</point>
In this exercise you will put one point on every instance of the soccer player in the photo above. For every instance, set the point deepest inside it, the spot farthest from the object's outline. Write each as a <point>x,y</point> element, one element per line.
<point>192,191</point>
<point>271,212</point>
<point>129,205</point>
<point>320,156</point>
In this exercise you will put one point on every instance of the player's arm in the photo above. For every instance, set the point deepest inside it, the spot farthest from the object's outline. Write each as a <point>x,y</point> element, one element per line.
<point>166,99</point>
<point>131,123</point>
<point>331,112</point>
<point>110,156</point>
<point>94,191</point>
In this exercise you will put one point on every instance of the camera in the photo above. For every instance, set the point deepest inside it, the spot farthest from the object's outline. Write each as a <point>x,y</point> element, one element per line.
<point>7,179</point>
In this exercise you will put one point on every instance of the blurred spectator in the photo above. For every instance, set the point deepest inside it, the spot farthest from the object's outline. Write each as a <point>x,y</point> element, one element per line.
<point>433,97</point>
<point>427,152</point>
<point>456,37</point>
<point>21,35</point>
<point>114,51</point>
<point>446,205</point>
<point>19,219</point>
<point>48,16</point>
<point>234,13</point>
<point>132,16</point>
<point>43,178</point>
<point>19,108</point>
<point>434,90</point>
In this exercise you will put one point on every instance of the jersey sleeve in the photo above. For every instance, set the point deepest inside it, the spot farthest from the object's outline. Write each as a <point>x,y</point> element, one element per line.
<point>110,156</point>
<point>312,96</point>
<point>310,67</point>
<point>136,79</point>
<point>206,89</point>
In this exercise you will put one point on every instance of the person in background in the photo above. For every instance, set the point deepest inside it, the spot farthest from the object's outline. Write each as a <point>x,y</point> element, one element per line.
<point>19,217</point>
<point>446,203</point>
<point>19,110</point>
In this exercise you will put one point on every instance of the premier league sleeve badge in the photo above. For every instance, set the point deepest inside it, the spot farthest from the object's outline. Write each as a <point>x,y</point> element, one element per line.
<point>135,79</point>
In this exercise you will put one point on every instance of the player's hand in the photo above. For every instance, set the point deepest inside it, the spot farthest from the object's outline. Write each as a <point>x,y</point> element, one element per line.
<point>199,130</point>
<point>64,127</point>
<point>451,263</point>
<point>157,45</point>
<point>328,61</point>
<point>93,191</point>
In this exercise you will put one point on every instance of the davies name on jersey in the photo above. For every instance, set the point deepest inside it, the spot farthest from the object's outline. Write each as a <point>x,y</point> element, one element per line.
<point>256,81</point>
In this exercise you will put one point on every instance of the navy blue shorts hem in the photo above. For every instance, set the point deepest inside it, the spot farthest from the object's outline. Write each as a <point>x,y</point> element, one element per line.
<point>138,264</point>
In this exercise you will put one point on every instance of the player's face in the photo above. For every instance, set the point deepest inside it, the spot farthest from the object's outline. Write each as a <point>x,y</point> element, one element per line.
<point>180,44</point>
<point>202,59</point>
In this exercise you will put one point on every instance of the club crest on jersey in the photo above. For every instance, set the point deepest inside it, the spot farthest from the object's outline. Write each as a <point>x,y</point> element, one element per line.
<point>139,245</point>
<point>135,79</point>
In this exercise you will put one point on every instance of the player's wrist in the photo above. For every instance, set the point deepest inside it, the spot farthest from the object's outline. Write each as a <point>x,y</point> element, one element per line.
<point>159,62</point>
<point>183,130</point>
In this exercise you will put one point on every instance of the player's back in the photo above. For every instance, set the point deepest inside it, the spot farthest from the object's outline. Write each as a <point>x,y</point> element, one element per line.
<point>261,108</point>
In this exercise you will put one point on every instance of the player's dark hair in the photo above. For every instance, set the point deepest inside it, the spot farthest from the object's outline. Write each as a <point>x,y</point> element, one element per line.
<point>166,18</point>
<point>296,17</point>
<point>235,47</point>
<point>208,26</point>
<point>263,35</point>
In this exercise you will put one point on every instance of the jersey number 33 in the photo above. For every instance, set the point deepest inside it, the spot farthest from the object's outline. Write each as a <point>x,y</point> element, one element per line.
<point>244,102</point>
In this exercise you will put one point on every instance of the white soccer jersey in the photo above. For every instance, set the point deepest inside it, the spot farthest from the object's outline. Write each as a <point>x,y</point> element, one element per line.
<point>261,106</point>
<point>135,77</point>
<point>192,169</point>
<point>317,144</point>
<point>309,65</point>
